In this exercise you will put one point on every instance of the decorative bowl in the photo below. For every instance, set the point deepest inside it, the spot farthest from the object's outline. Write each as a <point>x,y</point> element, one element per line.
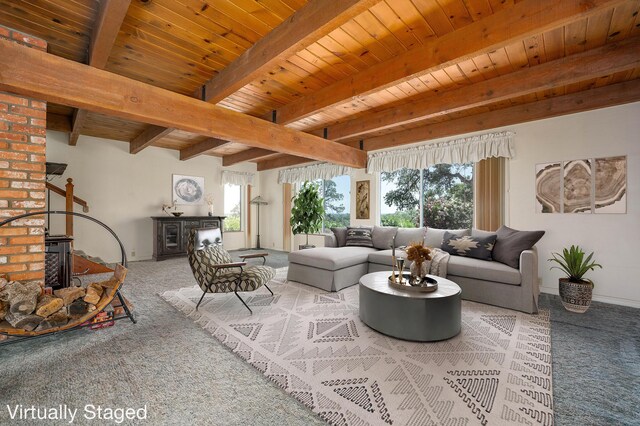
<point>177,214</point>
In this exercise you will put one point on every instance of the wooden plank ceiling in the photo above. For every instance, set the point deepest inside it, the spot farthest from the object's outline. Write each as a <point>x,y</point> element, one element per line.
<point>366,73</point>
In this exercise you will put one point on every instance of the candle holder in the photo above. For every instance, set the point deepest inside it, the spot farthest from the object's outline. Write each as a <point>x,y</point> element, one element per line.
<point>400,263</point>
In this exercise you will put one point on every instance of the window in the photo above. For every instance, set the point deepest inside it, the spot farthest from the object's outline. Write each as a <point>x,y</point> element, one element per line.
<point>337,206</point>
<point>232,207</point>
<point>440,197</point>
<point>337,201</point>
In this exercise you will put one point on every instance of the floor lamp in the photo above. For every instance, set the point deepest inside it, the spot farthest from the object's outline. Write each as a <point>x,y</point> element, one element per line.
<point>258,201</point>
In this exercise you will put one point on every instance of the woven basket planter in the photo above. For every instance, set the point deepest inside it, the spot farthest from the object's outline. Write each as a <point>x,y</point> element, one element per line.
<point>576,297</point>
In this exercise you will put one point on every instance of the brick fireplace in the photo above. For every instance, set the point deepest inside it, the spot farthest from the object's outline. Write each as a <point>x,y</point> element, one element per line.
<point>22,176</point>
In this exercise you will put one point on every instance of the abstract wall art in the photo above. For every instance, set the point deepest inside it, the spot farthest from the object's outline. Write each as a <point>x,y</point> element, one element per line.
<point>188,189</point>
<point>548,188</point>
<point>611,185</point>
<point>577,186</point>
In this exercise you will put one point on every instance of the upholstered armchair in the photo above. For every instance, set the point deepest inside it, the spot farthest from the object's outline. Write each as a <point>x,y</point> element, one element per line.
<point>216,272</point>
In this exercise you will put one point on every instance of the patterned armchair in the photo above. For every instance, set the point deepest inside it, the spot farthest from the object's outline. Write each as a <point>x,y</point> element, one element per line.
<point>216,272</point>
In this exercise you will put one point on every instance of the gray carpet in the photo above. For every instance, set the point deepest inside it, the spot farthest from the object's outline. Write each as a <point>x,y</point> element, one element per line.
<point>187,377</point>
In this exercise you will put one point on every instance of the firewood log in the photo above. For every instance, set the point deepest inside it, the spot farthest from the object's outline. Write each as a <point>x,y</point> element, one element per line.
<point>57,319</point>
<point>69,294</point>
<point>48,305</point>
<point>4,309</point>
<point>94,292</point>
<point>24,321</point>
<point>77,308</point>
<point>23,298</point>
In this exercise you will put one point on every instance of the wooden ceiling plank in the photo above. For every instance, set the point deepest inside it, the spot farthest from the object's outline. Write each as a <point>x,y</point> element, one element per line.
<point>313,20</point>
<point>526,18</point>
<point>587,100</point>
<point>599,62</point>
<point>246,155</point>
<point>201,148</point>
<point>150,135</point>
<point>30,72</point>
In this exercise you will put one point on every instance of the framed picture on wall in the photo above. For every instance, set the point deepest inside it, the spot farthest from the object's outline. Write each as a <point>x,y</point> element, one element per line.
<point>362,199</point>
<point>187,189</point>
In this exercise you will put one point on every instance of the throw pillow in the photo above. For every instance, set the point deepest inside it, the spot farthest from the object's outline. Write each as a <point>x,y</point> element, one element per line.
<point>341,236</point>
<point>382,236</point>
<point>359,237</point>
<point>511,243</point>
<point>434,236</point>
<point>469,246</point>
<point>406,236</point>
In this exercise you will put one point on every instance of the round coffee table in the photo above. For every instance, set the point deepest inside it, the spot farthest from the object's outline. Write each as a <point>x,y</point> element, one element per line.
<point>410,315</point>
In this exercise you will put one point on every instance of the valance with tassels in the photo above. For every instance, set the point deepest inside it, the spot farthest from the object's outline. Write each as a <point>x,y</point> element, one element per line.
<point>237,178</point>
<point>315,171</point>
<point>466,150</point>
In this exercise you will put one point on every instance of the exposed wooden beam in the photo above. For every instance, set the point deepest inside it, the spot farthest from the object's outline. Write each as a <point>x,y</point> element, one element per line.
<point>201,148</point>
<point>601,61</point>
<point>31,72</point>
<point>309,23</point>
<point>77,122</point>
<point>602,97</point>
<point>281,161</point>
<point>524,19</point>
<point>147,138</point>
<point>105,30</point>
<point>246,155</point>
<point>586,100</point>
<point>58,122</point>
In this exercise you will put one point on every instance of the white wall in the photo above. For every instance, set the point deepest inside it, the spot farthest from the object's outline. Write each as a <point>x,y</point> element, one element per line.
<point>125,190</point>
<point>613,238</point>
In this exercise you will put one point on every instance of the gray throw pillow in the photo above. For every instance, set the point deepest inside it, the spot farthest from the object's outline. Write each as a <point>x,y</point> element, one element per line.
<point>511,243</point>
<point>406,236</point>
<point>359,237</point>
<point>341,236</point>
<point>433,237</point>
<point>382,236</point>
<point>480,233</point>
<point>469,246</point>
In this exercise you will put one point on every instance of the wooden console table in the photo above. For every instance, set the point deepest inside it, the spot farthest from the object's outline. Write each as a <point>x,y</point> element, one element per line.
<point>171,234</point>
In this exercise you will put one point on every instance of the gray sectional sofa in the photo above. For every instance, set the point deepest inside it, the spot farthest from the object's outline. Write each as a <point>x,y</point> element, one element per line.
<point>335,267</point>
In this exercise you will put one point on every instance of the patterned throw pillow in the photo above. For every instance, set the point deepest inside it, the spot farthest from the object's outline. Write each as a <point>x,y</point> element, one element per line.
<point>476,247</point>
<point>359,237</point>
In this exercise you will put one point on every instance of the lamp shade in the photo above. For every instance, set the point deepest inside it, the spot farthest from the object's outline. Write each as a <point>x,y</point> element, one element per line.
<point>259,200</point>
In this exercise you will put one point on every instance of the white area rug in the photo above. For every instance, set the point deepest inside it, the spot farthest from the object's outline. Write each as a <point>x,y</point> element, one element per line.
<point>497,371</point>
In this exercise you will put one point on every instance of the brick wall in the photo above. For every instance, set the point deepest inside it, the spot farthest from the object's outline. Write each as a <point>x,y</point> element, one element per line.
<point>22,177</point>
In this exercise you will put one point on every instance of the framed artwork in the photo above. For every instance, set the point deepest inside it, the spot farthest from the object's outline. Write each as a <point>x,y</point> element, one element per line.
<point>548,192</point>
<point>577,186</point>
<point>187,189</point>
<point>362,199</point>
<point>610,185</point>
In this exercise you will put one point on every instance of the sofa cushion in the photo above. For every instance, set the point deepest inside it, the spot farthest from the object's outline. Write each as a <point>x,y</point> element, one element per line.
<point>511,243</point>
<point>406,236</point>
<point>482,270</point>
<point>360,237</point>
<point>480,233</point>
<point>433,237</point>
<point>468,246</point>
<point>382,236</point>
<point>331,258</point>
<point>341,236</point>
<point>383,257</point>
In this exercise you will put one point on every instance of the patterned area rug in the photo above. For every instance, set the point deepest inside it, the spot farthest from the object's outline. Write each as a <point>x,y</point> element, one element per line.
<point>312,344</point>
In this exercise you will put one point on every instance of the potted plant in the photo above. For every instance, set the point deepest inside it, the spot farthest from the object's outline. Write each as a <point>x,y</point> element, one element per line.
<point>575,291</point>
<point>307,212</point>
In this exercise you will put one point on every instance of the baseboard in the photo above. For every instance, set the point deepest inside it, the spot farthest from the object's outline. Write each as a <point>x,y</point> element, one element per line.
<point>598,298</point>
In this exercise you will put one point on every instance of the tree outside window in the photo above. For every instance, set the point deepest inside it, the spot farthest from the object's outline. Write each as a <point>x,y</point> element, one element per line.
<point>439,197</point>
<point>232,207</point>
<point>337,201</point>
